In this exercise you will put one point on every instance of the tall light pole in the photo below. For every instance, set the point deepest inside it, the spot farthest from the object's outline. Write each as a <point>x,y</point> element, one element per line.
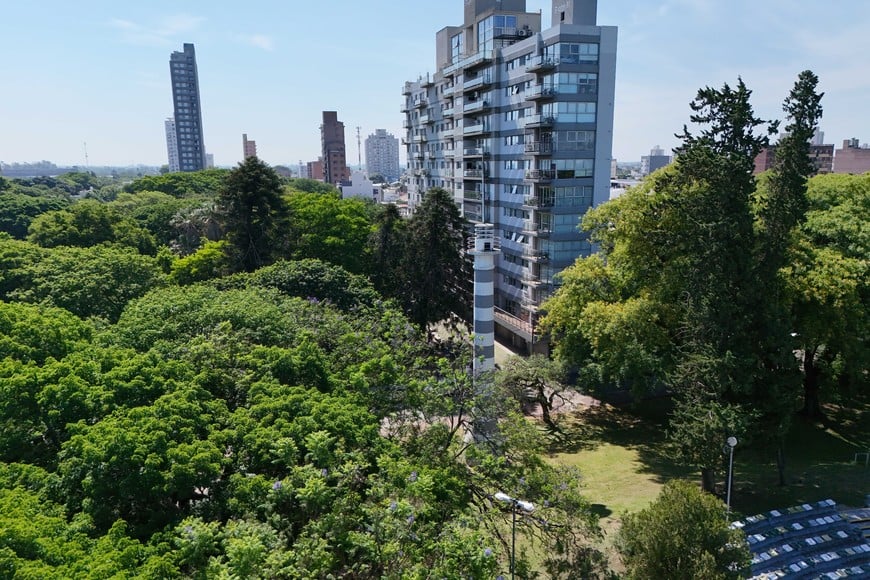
<point>732,443</point>
<point>526,506</point>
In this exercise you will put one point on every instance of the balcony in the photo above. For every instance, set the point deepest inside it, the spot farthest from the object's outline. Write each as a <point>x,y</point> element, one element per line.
<point>426,119</point>
<point>406,89</point>
<point>540,64</point>
<point>419,138</point>
<point>537,201</point>
<point>475,152</point>
<point>539,147</point>
<point>540,175</point>
<point>541,93</point>
<point>539,121</point>
<point>476,129</point>
<point>533,228</point>
<point>406,124</point>
<point>404,108</point>
<point>472,195</point>
<point>536,256</point>
<point>426,82</point>
<point>417,154</point>
<point>474,173</point>
<point>475,106</point>
<point>447,91</point>
<point>447,112</point>
<point>477,82</point>
<point>422,172</point>
<point>518,325</point>
<point>482,57</point>
<point>449,153</point>
<point>421,103</point>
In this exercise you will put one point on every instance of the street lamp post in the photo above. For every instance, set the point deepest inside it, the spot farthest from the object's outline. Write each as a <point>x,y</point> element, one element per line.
<point>526,506</point>
<point>732,443</point>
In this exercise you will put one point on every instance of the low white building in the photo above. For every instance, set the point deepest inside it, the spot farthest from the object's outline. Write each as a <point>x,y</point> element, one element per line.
<point>360,186</point>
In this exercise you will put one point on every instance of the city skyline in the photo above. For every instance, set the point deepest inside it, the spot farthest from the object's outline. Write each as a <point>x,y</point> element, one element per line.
<point>271,69</point>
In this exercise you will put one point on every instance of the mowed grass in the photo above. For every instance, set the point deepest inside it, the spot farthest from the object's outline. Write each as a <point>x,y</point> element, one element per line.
<point>621,453</point>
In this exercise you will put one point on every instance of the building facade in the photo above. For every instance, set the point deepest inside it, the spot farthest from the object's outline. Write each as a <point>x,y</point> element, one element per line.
<point>852,158</point>
<point>334,158</point>
<point>172,145</point>
<point>249,147</point>
<point>188,112</point>
<point>654,161</point>
<point>382,155</point>
<point>518,124</point>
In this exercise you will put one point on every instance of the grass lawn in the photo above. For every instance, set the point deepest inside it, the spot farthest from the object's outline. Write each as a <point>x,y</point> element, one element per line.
<point>621,454</point>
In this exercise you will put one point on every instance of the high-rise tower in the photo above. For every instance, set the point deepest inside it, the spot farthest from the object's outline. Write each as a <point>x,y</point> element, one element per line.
<point>382,155</point>
<point>335,167</point>
<point>517,122</point>
<point>188,113</point>
<point>172,145</point>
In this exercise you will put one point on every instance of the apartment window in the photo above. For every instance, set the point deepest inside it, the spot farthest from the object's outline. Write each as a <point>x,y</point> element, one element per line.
<point>570,112</point>
<point>456,47</point>
<point>514,140</point>
<point>575,141</point>
<point>572,52</point>
<point>570,168</point>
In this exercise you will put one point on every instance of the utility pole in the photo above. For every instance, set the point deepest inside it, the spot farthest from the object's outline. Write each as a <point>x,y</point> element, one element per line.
<point>358,149</point>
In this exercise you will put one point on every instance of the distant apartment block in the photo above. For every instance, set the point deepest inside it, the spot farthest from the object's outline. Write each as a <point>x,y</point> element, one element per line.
<point>822,157</point>
<point>188,112</point>
<point>172,145</point>
<point>209,161</point>
<point>334,153</point>
<point>382,155</point>
<point>249,147</point>
<point>654,161</point>
<point>315,170</point>
<point>517,123</point>
<point>852,158</point>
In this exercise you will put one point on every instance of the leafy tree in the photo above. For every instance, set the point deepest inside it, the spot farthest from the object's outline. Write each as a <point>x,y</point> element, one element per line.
<point>688,292</point>
<point>18,210</point>
<point>94,281</point>
<point>438,273</point>
<point>326,227</point>
<point>212,260</point>
<point>89,223</point>
<point>146,465</point>
<point>253,212</point>
<point>310,186</point>
<point>826,282</point>
<point>35,333</point>
<point>388,245</point>
<point>535,380</point>
<point>682,534</point>
<point>182,184</point>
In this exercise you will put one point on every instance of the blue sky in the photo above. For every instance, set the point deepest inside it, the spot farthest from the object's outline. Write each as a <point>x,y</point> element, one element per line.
<point>96,71</point>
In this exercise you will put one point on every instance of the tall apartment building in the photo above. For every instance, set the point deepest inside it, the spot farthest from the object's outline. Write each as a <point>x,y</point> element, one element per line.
<point>518,124</point>
<point>249,147</point>
<point>335,168</point>
<point>172,145</point>
<point>188,113</point>
<point>382,154</point>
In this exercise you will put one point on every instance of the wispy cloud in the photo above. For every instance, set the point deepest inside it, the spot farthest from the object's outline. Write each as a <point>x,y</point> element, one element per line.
<point>262,41</point>
<point>161,34</point>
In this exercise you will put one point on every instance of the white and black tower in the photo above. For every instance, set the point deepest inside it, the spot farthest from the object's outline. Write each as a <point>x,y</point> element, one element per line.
<point>484,248</point>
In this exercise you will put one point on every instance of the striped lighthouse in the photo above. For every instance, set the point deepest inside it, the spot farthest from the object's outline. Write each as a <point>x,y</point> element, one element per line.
<point>484,248</point>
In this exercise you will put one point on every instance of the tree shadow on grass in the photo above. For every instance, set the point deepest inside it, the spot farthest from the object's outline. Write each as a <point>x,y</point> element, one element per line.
<point>640,427</point>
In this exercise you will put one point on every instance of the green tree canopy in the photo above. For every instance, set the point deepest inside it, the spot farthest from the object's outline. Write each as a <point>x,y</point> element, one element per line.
<point>253,212</point>
<point>683,534</point>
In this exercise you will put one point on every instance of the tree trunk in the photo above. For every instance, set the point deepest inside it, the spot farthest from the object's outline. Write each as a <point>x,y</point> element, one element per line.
<point>780,463</point>
<point>545,409</point>
<point>812,407</point>
<point>708,480</point>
